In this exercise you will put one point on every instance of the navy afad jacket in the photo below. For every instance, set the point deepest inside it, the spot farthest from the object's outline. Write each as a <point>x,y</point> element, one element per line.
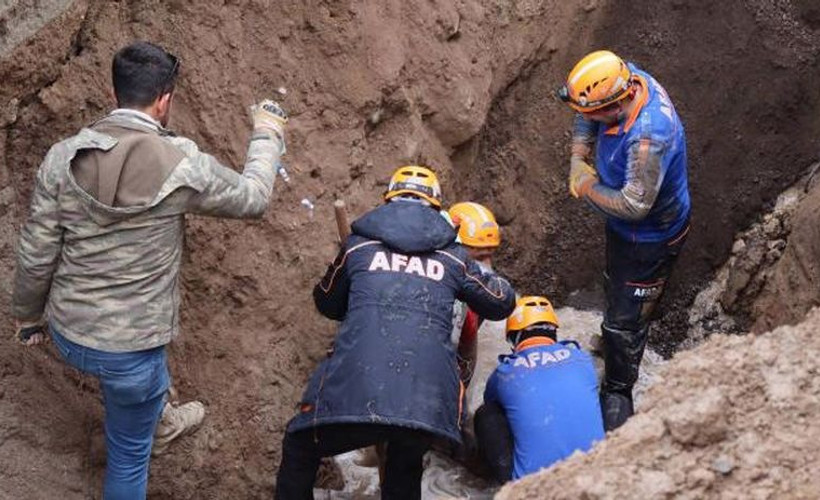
<point>392,286</point>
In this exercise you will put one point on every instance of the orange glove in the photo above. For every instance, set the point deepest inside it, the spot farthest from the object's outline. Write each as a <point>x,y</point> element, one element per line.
<point>582,176</point>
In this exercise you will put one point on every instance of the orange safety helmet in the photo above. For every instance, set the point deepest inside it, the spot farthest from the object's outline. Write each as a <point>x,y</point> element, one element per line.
<point>598,80</point>
<point>529,311</point>
<point>476,225</point>
<point>417,181</point>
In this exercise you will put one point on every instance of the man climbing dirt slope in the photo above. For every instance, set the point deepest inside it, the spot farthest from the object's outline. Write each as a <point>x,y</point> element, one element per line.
<point>100,252</point>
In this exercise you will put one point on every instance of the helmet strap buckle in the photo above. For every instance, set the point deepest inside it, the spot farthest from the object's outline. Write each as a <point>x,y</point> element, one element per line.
<point>514,339</point>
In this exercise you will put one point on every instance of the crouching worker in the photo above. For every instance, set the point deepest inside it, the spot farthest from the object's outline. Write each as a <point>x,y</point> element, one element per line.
<point>391,377</point>
<point>541,403</point>
<point>479,233</point>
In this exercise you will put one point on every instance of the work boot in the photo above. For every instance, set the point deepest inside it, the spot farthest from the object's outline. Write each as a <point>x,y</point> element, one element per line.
<point>616,409</point>
<point>176,421</point>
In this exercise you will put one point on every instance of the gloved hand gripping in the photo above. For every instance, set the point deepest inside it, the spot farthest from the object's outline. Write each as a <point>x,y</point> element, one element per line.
<point>268,116</point>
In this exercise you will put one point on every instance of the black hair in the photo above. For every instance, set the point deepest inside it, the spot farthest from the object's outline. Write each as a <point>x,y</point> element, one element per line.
<point>142,72</point>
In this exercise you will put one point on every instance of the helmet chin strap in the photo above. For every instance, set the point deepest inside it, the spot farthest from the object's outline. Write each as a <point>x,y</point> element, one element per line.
<point>515,339</point>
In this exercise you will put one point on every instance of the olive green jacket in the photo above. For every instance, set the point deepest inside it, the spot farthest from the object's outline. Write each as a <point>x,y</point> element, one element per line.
<point>100,252</point>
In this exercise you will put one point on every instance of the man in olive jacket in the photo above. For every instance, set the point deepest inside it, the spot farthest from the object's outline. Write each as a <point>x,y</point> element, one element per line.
<point>99,256</point>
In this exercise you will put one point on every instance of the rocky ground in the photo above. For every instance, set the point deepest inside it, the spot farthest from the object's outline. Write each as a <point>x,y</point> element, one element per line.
<point>465,86</point>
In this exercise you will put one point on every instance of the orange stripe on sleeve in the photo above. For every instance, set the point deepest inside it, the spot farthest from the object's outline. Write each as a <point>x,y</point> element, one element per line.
<point>342,263</point>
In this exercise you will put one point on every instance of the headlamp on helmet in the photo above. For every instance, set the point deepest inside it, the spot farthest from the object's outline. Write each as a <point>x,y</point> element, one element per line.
<point>598,80</point>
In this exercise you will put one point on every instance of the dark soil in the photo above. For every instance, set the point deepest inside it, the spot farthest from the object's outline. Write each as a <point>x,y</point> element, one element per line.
<point>741,76</point>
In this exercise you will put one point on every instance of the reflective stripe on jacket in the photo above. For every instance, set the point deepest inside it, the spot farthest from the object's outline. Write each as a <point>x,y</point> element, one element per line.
<point>642,166</point>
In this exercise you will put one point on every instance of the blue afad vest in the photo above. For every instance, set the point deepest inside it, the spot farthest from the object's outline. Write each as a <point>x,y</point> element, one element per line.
<point>659,122</point>
<point>550,396</point>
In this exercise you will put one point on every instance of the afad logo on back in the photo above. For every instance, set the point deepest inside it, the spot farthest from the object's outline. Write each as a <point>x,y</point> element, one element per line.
<point>541,358</point>
<point>398,263</point>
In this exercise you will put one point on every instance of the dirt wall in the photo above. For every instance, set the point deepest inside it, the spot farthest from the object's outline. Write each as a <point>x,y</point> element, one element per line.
<point>465,86</point>
<point>370,86</point>
<point>740,75</point>
<point>792,284</point>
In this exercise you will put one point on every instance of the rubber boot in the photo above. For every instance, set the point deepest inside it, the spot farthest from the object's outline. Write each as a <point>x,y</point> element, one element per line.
<point>623,350</point>
<point>616,408</point>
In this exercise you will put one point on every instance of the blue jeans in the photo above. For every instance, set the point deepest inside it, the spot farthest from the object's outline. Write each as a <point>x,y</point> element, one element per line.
<point>133,386</point>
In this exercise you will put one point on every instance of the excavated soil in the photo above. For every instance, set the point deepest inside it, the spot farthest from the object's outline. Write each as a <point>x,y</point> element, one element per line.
<point>792,284</point>
<point>465,86</point>
<point>733,418</point>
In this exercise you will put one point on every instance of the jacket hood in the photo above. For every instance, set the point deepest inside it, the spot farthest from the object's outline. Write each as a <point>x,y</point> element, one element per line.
<point>102,213</point>
<point>119,165</point>
<point>406,226</point>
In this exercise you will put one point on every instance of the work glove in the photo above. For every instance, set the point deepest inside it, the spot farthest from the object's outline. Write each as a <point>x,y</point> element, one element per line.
<point>269,117</point>
<point>582,176</point>
<point>30,333</point>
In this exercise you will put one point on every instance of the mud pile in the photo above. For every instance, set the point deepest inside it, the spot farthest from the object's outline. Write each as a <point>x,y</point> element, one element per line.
<point>726,305</point>
<point>733,418</point>
<point>793,283</point>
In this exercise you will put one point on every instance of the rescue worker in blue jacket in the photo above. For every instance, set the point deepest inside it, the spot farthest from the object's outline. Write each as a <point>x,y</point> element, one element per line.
<point>639,182</point>
<point>541,402</point>
<point>392,375</point>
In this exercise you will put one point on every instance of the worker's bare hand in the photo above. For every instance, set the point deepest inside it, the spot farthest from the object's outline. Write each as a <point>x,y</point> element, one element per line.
<point>30,334</point>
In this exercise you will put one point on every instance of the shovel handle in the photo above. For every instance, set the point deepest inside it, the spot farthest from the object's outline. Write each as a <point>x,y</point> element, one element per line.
<point>342,225</point>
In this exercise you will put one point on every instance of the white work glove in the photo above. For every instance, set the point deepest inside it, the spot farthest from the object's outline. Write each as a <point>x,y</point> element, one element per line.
<point>268,116</point>
<point>30,333</point>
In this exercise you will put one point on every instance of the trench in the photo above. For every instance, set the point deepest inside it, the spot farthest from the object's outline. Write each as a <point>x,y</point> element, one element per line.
<point>445,478</point>
<point>723,306</point>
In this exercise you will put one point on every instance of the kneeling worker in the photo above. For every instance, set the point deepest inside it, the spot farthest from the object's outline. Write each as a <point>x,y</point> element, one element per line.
<point>541,402</point>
